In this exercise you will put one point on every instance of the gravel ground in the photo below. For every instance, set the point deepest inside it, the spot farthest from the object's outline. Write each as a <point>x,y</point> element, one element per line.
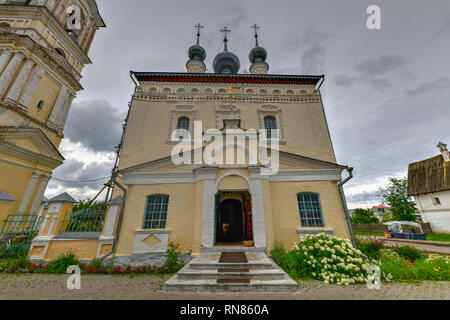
<point>38,286</point>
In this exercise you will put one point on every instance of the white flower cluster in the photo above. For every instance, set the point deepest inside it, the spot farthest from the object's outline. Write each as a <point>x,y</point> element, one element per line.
<point>333,260</point>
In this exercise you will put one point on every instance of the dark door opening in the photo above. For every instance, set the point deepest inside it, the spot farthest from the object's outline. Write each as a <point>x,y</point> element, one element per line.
<point>233,219</point>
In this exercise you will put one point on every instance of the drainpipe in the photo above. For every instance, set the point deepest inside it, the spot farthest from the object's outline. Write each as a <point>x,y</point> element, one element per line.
<point>344,203</point>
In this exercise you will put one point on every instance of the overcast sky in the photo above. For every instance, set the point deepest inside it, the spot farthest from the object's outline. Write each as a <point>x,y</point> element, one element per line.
<point>386,93</point>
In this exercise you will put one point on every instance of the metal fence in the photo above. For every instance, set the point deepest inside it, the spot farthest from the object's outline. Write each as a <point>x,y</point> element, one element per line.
<point>86,220</point>
<point>27,224</point>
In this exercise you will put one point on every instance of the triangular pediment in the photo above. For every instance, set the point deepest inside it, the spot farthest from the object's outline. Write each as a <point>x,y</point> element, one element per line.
<point>29,142</point>
<point>287,161</point>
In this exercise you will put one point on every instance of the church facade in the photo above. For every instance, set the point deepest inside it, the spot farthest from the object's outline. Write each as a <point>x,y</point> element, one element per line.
<point>44,45</point>
<point>205,205</point>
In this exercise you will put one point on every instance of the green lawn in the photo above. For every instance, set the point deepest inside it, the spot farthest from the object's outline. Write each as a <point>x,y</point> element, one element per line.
<point>430,237</point>
<point>439,237</point>
<point>363,233</point>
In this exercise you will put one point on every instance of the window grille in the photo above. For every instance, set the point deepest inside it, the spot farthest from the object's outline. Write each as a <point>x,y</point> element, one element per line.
<point>270,124</point>
<point>310,210</point>
<point>156,212</point>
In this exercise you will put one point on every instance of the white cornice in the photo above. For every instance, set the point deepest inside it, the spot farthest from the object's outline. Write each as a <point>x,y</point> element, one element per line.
<point>192,177</point>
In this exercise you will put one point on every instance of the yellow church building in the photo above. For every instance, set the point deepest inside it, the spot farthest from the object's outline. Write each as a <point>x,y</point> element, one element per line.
<point>208,206</point>
<point>223,164</point>
<point>44,45</point>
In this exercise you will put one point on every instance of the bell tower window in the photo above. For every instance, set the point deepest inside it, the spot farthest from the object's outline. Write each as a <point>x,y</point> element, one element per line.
<point>270,124</point>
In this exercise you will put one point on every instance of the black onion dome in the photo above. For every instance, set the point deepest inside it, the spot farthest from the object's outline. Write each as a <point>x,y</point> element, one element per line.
<point>197,52</point>
<point>226,62</point>
<point>258,54</point>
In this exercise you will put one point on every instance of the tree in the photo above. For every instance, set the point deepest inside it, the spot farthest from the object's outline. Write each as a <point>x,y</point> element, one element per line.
<point>395,194</point>
<point>363,216</point>
<point>82,205</point>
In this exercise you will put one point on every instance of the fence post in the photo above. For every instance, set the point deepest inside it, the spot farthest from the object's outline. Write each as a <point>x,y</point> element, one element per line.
<point>107,237</point>
<point>57,207</point>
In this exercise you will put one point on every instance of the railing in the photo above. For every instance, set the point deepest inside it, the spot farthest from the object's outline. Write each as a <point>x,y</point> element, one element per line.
<point>86,220</point>
<point>21,227</point>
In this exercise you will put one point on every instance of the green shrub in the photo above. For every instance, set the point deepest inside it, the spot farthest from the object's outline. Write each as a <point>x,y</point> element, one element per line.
<point>409,253</point>
<point>371,248</point>
<point>174,261</point>
<point>363,216</point>
<point>60,264</point>
<point>279,254</point>
<point>331,260</point>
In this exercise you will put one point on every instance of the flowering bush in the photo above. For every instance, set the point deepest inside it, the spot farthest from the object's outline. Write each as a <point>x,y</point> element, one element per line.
<point>371,247</point>
<point>331,260</point>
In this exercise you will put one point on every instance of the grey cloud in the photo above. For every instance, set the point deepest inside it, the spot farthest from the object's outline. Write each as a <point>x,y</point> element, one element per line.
<point>438,84</point>
<point>443,30</point>
<point>380,84</point>
<point>313,57</point>
<point>76,170</point>
<point>380,65</point>
<point>342,80</point>
<point>363,197</point>
<point>95,124</point>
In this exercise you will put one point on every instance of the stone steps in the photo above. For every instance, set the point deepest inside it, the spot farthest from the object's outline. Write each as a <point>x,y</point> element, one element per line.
<point>287,285</point>
<point>263,274</point>
<point>203,273</point>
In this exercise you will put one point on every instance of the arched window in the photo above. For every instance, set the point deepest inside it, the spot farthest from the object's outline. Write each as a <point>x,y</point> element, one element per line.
<point>270,123</point>
<point>155,215</point>
<point>40,105</point>
<point>182,127</point>
<point>310,210</point>
<point>61,52</point>
<point>183,123</point>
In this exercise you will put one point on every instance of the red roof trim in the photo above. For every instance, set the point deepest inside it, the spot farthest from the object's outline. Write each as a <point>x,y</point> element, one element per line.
<point>212,78</point>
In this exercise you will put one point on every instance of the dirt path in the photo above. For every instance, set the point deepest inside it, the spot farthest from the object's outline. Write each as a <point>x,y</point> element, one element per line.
<point>38,286</point>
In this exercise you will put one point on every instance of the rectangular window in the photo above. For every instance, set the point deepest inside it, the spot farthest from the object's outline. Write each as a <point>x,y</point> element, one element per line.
<point>156,212</point>
<point>310,210</point>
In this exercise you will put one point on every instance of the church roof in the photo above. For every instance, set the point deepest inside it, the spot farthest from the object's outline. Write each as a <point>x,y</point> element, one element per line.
<point>428,176</point>
<point>227,78</point>
<point>63,197</point>
<point>5,197</point>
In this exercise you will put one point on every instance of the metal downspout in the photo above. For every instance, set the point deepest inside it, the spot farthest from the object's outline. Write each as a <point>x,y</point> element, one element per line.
<point>344,203</point>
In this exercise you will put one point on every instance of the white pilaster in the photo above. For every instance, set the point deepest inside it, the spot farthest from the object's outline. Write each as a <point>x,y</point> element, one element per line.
<point>208,175</point>
<point>31,86</point>
<point>39,195</point>
<point>111,222</point>
<point>259,225</point>
<point>10,71</point>
<point>44,224</point>
<point>28,193</point>
<point>19,82</point>
<point>65,112</point>
<point>4,58</point>
<point>59,104</point>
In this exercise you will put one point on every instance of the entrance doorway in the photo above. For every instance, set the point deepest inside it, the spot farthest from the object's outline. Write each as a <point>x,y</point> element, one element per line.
<point>233,218</point>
